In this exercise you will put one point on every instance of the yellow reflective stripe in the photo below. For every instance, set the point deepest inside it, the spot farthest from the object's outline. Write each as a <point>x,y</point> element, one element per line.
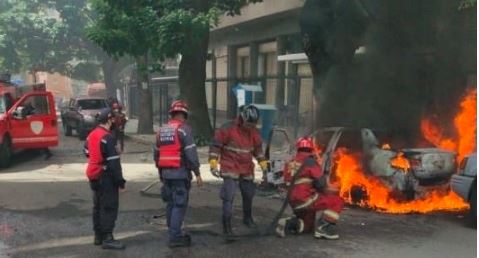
<point>303,180</point>
<point>331,214</point>
<point>307,203</point>
<point>240,150</point>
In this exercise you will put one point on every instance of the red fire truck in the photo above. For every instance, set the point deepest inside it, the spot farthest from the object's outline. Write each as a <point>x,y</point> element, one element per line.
<point>27,119</point>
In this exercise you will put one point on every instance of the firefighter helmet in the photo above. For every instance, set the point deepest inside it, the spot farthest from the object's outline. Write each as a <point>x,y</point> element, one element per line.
<point>305,143</point>
<point>249,114</point>
<point>178,106</point>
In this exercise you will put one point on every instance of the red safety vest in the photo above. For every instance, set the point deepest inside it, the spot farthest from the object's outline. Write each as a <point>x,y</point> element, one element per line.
<point>96,160</point>
<point>169,154</point>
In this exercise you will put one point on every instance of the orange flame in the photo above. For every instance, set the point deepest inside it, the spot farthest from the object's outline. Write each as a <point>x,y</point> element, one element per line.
<point>400,162</point>
<point>349,175</point>
<point>386,146</point>
<point>465,125</point>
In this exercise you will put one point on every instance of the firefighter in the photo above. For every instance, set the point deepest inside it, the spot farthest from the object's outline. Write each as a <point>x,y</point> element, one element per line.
<point>120,122</point>
<point>105,175</point>
<point>234,145</point>
<point>176,157</point>
<point>310,195</point>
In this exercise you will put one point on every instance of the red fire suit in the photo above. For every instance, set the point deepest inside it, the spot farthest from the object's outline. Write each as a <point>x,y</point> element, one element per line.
<point>308,196</point>
<point>237,145</point>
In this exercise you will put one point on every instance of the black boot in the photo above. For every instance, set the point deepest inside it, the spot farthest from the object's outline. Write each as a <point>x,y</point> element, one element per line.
<point>183,241</point>
<point>109,242</point>
<point>291,225</point>
<point>326,230</point>
<point>248,219</point>
<point>228,230</point>
<point>98,239</point>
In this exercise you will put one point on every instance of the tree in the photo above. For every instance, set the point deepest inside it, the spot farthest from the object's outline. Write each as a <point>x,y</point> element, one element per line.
<point>184,29</point>
<point>31,39</point>
<point>386,64</point>
<point>132,32</point>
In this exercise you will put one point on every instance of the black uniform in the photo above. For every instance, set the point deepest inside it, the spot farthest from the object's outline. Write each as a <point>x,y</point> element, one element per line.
<point>105,190</point>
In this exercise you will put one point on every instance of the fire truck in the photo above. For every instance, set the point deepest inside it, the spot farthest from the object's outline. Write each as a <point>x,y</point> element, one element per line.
<point>27,119</point>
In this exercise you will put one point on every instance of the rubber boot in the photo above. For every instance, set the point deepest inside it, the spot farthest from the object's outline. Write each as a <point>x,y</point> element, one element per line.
<point>98,239</point>
<point>184,241</point>
<point>109,242</point>
<point>248,219</point>
<point>326,230</point>
<point>228,230</point>
<point>290,225</point>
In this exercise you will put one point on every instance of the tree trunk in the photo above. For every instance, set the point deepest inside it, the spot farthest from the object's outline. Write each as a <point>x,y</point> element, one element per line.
<point>145,122</point>
<point>109,67</point>
<point>192,76</point>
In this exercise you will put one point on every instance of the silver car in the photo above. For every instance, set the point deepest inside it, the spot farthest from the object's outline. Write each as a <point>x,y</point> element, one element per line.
<point>464,183</point>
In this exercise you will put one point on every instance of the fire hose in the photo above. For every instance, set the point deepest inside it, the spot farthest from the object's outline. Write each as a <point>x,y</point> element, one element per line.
<point>259,233</point>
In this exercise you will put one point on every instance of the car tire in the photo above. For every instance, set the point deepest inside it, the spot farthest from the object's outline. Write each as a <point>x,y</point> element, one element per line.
<point>473,206</point>
<point>81,131</point>
<point>66,128</point>
<point>5,153</point>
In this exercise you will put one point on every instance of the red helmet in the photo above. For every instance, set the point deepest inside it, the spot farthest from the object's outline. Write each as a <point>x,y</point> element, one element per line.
<point>178,106</point>
<point>305,143</point>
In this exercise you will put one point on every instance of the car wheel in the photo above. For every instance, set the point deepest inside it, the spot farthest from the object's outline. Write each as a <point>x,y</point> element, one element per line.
<point>473,206</point>
<point>66,128</point>
<point>5,153</point>
<point>81,131</point>
<point>358,194</point>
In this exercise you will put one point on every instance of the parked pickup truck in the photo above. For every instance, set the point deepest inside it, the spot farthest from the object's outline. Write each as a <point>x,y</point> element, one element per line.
<point>27,119</point>
<point>79,115</point>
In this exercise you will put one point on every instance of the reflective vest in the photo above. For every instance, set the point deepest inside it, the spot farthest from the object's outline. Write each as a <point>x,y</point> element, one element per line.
<point>169,151</point>
<point>96,161</point>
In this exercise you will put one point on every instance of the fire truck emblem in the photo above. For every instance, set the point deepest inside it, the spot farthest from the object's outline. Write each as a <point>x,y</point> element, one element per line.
<point>36,126</point>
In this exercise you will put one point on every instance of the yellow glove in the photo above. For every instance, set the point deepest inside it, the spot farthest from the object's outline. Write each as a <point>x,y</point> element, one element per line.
<point>264,165</point>
<point>213,164</point>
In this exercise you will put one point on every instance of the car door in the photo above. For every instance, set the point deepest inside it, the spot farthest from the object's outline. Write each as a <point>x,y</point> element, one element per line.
<point>38,128</point>
<point>278,152</point>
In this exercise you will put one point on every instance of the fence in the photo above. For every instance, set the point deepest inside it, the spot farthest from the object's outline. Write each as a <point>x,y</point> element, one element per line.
<point>291,95</point>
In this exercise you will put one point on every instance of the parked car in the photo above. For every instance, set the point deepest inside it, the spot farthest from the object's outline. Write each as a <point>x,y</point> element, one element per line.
<point>79,115</point>
<point>464,183</point>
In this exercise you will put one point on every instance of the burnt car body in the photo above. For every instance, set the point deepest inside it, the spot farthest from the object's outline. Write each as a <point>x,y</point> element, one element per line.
<point>429,167</point>
<point>79,115</point>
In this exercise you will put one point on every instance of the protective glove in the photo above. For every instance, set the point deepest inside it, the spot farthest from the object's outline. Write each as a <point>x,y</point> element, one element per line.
<point>264,165</point>
<point>214,168</point>
<point>213,164</point>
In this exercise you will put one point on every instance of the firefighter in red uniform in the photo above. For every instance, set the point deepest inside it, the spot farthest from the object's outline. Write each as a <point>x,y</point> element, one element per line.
<point>105,175</point>
<point>309,196</point>
<point>176,157</point>
<point>234,145</point>
<point>120,122</point>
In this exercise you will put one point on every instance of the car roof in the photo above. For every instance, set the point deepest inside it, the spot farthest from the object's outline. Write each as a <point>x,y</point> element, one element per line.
<point>87,97</point>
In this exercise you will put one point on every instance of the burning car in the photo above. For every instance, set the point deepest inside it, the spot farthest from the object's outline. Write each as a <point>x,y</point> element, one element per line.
<point>409,172</point>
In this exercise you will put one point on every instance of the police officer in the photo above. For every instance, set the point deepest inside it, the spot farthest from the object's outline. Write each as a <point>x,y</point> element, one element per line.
<point>235,144</point>
<point>105,175</point>
<point>310,195</point>
<point>175,157</point>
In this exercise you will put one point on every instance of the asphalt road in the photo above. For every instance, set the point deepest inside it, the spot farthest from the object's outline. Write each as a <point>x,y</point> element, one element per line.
<point>45,209</point>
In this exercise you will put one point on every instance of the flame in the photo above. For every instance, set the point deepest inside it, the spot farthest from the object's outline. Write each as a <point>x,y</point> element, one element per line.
<point>350,175</point>
<point>400,162</point>
<point>465,125</point>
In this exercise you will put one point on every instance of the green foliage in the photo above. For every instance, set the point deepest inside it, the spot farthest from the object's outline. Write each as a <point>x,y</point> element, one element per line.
<point>466,4</point>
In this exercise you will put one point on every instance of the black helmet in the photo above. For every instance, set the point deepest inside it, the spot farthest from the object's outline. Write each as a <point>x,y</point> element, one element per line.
<point>103,116</point>
<point>249,114</point>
